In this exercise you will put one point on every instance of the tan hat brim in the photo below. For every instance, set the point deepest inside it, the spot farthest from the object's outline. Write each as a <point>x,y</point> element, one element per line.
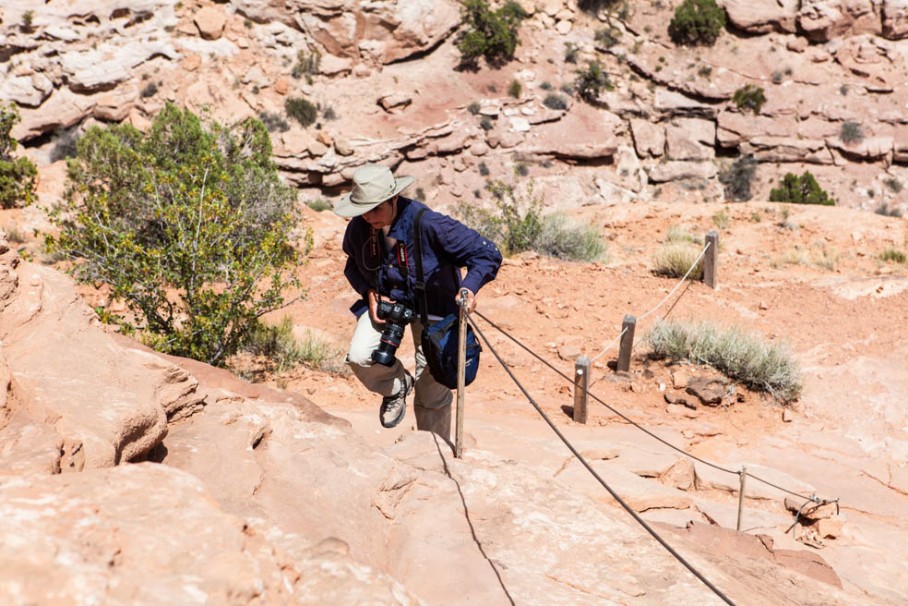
<point>347,207</point>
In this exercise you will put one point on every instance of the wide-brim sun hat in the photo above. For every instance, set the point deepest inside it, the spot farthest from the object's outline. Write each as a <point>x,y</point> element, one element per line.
<point>372,185</point>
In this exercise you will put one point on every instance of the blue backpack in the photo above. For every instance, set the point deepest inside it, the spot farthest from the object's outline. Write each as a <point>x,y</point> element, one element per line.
<point>440,340</point>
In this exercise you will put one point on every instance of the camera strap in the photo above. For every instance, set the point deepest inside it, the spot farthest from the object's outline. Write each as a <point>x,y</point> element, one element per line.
<point>420,280</point>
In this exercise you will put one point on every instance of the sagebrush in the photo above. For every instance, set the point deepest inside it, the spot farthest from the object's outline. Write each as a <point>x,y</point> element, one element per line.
<point>17,175</point>
<point>744,357</point>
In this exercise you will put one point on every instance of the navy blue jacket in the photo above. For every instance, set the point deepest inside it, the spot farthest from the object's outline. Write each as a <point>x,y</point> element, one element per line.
<point>447,244</point>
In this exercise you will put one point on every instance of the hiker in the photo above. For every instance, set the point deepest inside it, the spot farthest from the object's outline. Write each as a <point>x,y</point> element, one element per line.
<point>381,267</point>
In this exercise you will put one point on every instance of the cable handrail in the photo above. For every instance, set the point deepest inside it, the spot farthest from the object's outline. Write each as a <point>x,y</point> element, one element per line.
<point>665,442</point>
<point>592,471</point>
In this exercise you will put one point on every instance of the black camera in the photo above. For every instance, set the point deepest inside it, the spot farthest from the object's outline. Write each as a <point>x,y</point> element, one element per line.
<point>397,317</point>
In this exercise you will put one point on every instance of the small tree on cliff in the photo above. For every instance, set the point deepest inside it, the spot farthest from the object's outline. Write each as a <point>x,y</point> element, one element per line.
<point>17,175</point>
<point>492,34</point>
<point>189,224</point>
<point>697,23</point>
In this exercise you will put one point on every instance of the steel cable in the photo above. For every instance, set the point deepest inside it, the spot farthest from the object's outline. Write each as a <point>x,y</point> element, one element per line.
<point>637,425</point>
<point>592,471</point>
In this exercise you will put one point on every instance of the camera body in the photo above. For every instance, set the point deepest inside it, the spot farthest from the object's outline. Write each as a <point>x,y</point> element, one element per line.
<point>396,316</point>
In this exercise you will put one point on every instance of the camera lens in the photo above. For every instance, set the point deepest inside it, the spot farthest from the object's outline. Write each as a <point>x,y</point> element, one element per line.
<point>387,348</point>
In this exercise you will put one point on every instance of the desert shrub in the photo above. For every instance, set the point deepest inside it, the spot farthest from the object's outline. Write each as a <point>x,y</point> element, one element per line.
<point>738,177</point>
<point>697,23</point>
<point>273,121</point>
<point>743,357</point>
<point>555,101</point>
<point>485,123</point>
<point>749,98</point>
<point>893,255</point>
<point>516,224</point>
<point>894,185</point>
<point>563,239</point>
<point>284,351</point>
<point>301,110</point>
<point>675,259</point>
<point>319,205</point>
<point>306,65</point>
<point>328,112</point>
<point>17,175</point>
<point>484,169</point>
<point>590,82</point>
<point>571,52</point>
<point>189,225</point>
<point>721,219</point>
<point>515,89</point>
<point>677,233</point>
<point>65,142</point>
<point>28,20</point>
<point>851,132</point>
<point>608,37</point>
<point>802,189</point>
<point>888,211</point>
<point>491,34</point>
<point>474,107</point>
<point>149,90</point>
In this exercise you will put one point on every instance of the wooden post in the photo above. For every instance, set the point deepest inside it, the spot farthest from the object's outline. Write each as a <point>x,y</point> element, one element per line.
<point>581,388</point>
<point>627,342</point>
<point>741,495</point>
<point>461,374</point>
<point>711,260</point>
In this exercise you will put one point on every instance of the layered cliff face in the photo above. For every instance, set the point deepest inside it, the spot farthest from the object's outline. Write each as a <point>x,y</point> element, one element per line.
<point>129,477</point>
<point>388,72</point>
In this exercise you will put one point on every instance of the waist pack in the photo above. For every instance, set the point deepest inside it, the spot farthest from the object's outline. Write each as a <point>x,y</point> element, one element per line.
<point>440,343</point>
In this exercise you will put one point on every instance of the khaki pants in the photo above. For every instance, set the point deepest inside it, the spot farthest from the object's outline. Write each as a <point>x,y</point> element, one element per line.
<point>432,404</point>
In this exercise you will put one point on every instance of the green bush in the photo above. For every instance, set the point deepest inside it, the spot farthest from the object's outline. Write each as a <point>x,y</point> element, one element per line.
<point>742,357</point>
<point>319,205</point>
<point>608,37</point>
<point>301,110</point>
<point>563,239</point>
<point>189,225</point>
<point>591,82</point>
<point>738,177</point>
<point>697,23</point>
<point>749,98</point>
<point>555,101</point>
<point>273,121</point>
<point>17,175</point>
<point>306,65</point>
<point>517,225</point>
<point>674,259</point>
<point>851,132</point>
<point>515,89</point>
<point>894,255</point>
<point>491,34</point>
<point>800,190</point>
<point>285,351</point>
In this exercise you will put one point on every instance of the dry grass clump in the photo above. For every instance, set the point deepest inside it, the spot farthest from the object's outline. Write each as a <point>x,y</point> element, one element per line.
<point>285,351</point>
<point>743,357</point>
<point>675,258</point>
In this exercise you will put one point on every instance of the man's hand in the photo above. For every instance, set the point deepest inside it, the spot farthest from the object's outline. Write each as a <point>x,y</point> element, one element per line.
<point>471,299</point>
<point>374,298</point>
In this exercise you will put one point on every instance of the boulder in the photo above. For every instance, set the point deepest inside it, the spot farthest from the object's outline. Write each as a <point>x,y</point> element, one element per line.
<point>895,19</point>
<point>762,16</point>
<point>787,149</point>
<point>210,21</point>
<point>676,170</point>
<point>649,138</point>
<point>824,20</point>
<point>29,91</point>
<point>382,31</point>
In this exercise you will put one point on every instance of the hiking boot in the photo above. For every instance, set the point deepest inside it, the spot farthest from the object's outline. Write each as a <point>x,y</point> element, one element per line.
<point>394,407</point>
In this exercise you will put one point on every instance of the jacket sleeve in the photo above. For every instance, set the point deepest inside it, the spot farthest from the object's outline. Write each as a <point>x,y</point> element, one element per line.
<point>357,280</point>
<point>465,247</point>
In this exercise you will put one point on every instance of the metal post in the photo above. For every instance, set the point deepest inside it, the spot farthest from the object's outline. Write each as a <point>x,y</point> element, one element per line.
<point>581,388</point>
<point>711,260</point>
<point>461,373</point>
<point>627,343</point>
<point>741,495</point>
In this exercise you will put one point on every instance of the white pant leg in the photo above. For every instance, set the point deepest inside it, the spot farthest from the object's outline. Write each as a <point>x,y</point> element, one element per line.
<point>377,378</point>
